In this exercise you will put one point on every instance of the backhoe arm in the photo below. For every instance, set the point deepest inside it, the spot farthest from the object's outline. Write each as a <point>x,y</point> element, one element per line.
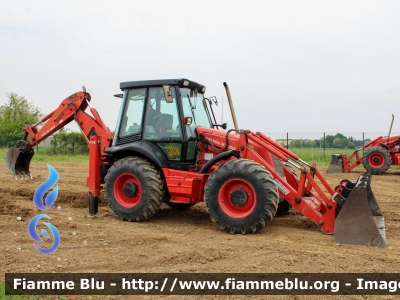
<point>71,108</point>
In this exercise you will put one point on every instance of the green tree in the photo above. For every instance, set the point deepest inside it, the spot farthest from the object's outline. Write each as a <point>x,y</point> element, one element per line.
<point>339,135</point>
<point>351,145</point>
<point>17,113</point>
<point>297,143</point>
<point>68,143</point>
<point>310,144</point>
<point>340,142</point>
<point>329,140</point>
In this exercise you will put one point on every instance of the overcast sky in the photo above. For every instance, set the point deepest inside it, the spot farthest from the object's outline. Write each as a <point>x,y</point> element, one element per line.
<point>299,66</point>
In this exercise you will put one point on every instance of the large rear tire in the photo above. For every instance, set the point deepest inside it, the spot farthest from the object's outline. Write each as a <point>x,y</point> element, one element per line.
<point>134,189</point>
<point>241,196</point>
<point>377,160</point>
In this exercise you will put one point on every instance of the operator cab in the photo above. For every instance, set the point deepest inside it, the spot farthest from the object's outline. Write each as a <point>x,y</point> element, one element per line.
<point>162,116</point>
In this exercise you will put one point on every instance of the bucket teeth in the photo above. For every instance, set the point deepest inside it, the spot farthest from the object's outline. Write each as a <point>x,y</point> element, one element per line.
<point>360,220</point>
<point>336,165</point>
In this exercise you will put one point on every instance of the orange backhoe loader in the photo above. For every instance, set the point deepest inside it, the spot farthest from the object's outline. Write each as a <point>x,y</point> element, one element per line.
<point>169,148</point>
<point>379,155</point>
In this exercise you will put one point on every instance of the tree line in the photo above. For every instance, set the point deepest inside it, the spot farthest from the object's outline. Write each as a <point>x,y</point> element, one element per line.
<point>331,141</point>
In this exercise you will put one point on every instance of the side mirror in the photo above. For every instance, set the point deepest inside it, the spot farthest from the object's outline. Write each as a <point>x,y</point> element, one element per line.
<point>224,126</point>
<point>214,99</point>
<point>167,94</point>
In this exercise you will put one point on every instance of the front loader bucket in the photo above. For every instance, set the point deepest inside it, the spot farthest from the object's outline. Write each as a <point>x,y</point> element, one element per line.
<point>336,165</point>
<point>18,159</point>
<point>360,220</point>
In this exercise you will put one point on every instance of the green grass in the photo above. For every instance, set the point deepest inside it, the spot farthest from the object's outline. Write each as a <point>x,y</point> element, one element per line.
<point>318,156</point>
<point>45,158</point>
<point>60,158</point>
<point>24,297</point>
<point>312,155</point>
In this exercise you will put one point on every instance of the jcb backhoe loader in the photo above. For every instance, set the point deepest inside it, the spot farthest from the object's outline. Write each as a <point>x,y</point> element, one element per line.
<point>168,147</point>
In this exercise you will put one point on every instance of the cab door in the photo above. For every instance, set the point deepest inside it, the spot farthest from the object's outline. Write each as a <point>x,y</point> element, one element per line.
<point>162,125</point>
<point>192,107</point>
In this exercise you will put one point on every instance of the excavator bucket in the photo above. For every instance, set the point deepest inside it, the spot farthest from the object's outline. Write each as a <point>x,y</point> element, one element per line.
<point>336,165</point>
<point>18,159</point>
<point>360,220</point>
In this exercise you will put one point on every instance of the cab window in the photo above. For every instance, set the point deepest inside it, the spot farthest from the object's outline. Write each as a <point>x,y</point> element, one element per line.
<point>133,112</point>
<point>162,118</point>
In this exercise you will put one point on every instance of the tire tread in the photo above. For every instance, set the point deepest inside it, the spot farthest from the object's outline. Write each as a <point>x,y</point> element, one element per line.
<point>384,153</point>
<point>153,182</point>
<point>268,185</point>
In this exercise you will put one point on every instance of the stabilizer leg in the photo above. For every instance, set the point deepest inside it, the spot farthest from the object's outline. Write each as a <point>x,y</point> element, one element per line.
<point>93,205</point>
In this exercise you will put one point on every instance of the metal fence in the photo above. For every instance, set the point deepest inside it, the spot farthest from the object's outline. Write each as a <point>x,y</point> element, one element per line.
<point>322,140</point>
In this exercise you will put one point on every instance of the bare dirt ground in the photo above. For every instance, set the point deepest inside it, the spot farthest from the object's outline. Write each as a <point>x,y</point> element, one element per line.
<point>176,241</point>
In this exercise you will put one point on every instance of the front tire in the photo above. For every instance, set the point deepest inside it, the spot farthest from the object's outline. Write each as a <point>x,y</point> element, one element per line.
<point>241,196</point>
<point>377,160</point>
<point>134,189</point>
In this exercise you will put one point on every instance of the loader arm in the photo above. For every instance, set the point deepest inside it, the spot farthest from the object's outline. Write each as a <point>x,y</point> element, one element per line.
<point>309,193</point>
<point>303,193</point>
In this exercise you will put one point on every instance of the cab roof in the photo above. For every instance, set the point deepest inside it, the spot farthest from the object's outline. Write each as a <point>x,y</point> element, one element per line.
<point>182,82</point>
